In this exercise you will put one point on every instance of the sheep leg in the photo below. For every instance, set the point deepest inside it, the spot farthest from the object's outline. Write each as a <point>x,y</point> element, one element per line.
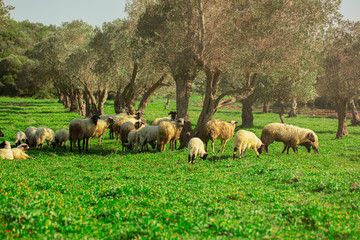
<point>117,137</point>
<point>223,143</point>
<point>99,141</point>
<point>189,158</point>
<point>284,149</point>
<point>192,159</point>
<point>79,144</point>
<point>71,143</point>
<point>212,146</point>
<point>235,150</point>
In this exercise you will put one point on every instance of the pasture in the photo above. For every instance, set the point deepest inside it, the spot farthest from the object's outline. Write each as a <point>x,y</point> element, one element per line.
<point>109,194</point>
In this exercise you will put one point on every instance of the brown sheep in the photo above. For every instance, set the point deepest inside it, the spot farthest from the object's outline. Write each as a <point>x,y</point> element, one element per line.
<point>126,128</point>
<point>219,129</point>
<point>169,132</point>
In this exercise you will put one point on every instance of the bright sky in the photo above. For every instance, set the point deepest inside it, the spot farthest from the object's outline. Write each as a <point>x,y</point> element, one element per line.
<point>96,12</point>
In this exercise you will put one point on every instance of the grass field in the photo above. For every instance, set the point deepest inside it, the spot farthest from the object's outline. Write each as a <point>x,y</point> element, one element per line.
<point>109,194</point>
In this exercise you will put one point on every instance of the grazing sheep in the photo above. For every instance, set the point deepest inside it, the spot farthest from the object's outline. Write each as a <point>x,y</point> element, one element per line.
<point>196,148</point>
<point>126,128</point>
<point>100,129</point>
<point>61,137</point>
<point>82,129</point>
<point>219,129</point>
<point>5,152</point>
<point>120,121</point>
<point>148,134</point>
<point>308,144</point>
<point>20,137</point>
<point>131,139</point>
<point>172,117</point>
<point>290,135</point>
<point>42,134</point>
<point>30,136</point>
<point>244,140</point>
<point>169,132</point>
<point>114,117</point>
<point>1,134</point>
<point>19,152</point>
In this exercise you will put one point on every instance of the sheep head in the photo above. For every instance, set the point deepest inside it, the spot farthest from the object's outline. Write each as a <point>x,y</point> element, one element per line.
<point>180,122</point>
<point>204,156</point>
<point>173,115</point>
<point>262,148</point>
<point>95,119</point>
<point>311,137</point>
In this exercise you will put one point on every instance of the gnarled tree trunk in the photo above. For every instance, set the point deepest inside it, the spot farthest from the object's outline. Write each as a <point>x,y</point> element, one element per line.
<point>74,107</point>
<point>355,114</point>
<point>281,113</point>
<point>167,102</point>
<point>292,112</point>
<point>246,114</point>
<point>145,99</point>
<point>341,109</point>
<point>82,110</point>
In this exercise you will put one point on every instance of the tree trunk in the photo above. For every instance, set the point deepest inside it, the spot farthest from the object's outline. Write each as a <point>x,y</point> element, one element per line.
<point>66,99</point>
<point>341,109</point>
<point>355,114</point>
<point>292,112</point>
<point>74,107</point>
<point>101,101</point>
<point>60,95</point>
<point>266,107</point>
<point>145,99</point>
<point>88,109</point>
<point>246,114</point>
<point>281,113</point>
<point>167,102</point>
<point>125,100</point>
<point>82,110</point>
<point>183,83</point>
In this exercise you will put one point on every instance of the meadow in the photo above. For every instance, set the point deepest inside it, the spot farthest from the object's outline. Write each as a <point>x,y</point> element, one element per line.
<point>109,194</point>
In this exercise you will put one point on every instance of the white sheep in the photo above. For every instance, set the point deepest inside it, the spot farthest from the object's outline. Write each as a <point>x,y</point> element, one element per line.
<point>169,132</point>
<point>20,137</point>
<point>148,134</point>
<point>196,148</point>
<point>43,134</point>
<point>5,152</point>
<point>82,129</point>
<point>172,117</point>
<point>30,136</point>
<point>290,135</point>
<point>61,137</point>
<point>244,140</point>
<point>19,152</point>
<point>219,129</point>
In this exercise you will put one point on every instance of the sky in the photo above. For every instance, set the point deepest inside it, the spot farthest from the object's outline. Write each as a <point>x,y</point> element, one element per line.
<point>96,12</point>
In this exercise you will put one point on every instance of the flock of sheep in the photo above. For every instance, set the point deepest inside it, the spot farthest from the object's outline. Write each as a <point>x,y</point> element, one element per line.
<point>135,134</point>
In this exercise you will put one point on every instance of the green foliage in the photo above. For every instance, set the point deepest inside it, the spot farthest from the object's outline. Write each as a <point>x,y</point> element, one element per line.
<point>110,194</point>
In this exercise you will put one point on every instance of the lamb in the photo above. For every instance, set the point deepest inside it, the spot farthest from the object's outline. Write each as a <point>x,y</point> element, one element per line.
<point>19,152</point>
<point>244,140</point>
<point>61,137</point>
<point>101,128</point>
<point>42,134</point>
<point>20,137</point>
<point>290,135</point>
<point>196,148</point>
<point>82,129</point>
<point>5,152</point>
<point>30,136</point>
<point>126,128</point>
<point>219,129</point>
<point>148,134</point>
<point>172,117</point>
<point>169,132</point>
<point>307,144</point>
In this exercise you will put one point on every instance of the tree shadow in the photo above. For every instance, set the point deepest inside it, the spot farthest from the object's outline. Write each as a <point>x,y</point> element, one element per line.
<point>219,158</point>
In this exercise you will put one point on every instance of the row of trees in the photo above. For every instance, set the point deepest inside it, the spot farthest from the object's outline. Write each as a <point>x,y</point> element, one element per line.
<point>240,50</point>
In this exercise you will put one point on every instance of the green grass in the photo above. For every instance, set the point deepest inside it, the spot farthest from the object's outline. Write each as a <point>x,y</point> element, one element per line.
<point>110,194</point>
